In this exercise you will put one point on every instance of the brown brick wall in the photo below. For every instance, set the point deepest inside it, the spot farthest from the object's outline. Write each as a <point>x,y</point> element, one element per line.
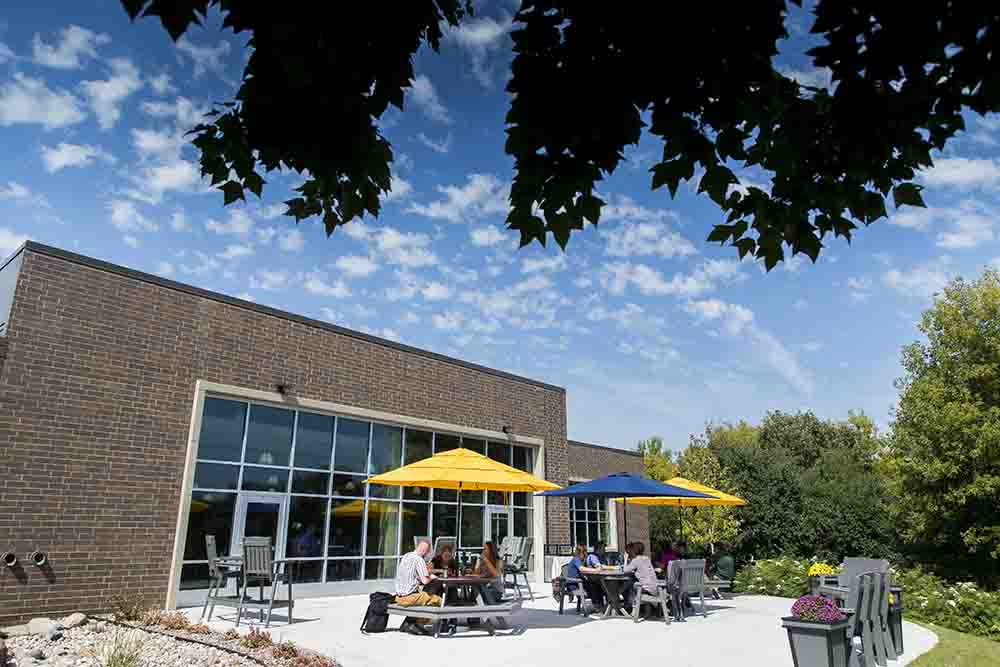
<point>588,461</point>
<point>95,401</point>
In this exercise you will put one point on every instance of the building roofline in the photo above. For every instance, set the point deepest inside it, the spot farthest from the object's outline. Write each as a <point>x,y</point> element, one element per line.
<point>126,272</point>
<point>579,443</point>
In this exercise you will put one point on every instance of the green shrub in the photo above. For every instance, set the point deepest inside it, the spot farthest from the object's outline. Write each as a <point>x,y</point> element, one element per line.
<point>783,577</point>
<point>963,606</point>
<point>285,649</point>
<point>257,639</point>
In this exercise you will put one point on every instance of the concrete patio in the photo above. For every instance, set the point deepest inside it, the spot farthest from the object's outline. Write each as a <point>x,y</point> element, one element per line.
<point>745,630</point>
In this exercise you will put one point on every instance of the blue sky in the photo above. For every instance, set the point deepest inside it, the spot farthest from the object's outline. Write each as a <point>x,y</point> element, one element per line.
<point>650,329</point>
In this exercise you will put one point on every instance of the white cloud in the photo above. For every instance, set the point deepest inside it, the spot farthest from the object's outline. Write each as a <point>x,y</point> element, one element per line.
<point>924,280</point>
<point>28,100</point>
<point>332,315</point>
<point>14,190</point>
<point>409,317</point>
<point>442,146</point>
<point>406,287</point>
<point>356,266</point>
<point>459,274</point>
<point>859,288</point>
<point>363,311</point>
<point>627,317</point>
<point>480,37</point>
<point>272,211</point>
<point>266,234</point>
<point>154,181</point>
<point>436,291</point>
<point>6,53</point>
<point>161,84</point>
<point>487,236</point>
<point>292,241</point>
<point>646,238</point>
<point>236,250</point>
<point>623,207</point>
<point>130,241</point>
<point>179,222</point>
<point>963,173</point>
<point>206,265</point>
<point>269,280</point>
<point>107,95</point>
<point>424,96</point>
<point>448,321</point>
<point>583,282</point>
<point>800,304</point>
<point>969,224</point>
<point>400,188</point>
<point>185,113</point>
<point>316,283</point>
<point>205,58</point>
<point>738,322</point>
<point>812,346</point>
<point>617,276</point>
<point>482,195</point>
<point>127,218</point>
<point>553,263</point>
<point>912,218</point>
<point>75,44</point>
<point>239,223</point>
<point>407,249</point>
<point>817,77</point>
<point>164,269</point>
<point>73,155</point>
<point>10,240</point>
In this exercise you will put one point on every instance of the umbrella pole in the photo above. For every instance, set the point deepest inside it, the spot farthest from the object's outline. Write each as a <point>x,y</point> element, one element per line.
<point>625,518</point>
<point>458,539</point>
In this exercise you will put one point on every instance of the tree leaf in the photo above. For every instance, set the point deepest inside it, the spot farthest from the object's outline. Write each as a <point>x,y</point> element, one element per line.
<point>908,194</point>
<point>232,191</point>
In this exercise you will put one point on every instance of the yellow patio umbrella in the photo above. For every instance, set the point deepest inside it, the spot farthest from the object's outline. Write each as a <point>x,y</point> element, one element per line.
<point>463,470</point>
<point>719,498</point>
<point>356,508</point>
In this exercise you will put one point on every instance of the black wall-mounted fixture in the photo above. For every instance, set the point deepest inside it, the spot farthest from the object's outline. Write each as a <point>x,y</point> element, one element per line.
<point>282,388</point>
<point>507,429</point>
<point>9,558</point>
<point>39,558</point>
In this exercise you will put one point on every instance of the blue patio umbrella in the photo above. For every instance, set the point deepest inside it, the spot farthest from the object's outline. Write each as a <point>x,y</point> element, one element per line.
<point>623,485</point>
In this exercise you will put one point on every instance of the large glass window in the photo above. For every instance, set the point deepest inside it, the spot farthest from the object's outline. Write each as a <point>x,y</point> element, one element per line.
<point>222,425</point>
<point>351,450</point>
<point>335,526</point>
<point>306,523</point>
<point>269,436</point>
<point>313,441</point>
<point>588,521</point>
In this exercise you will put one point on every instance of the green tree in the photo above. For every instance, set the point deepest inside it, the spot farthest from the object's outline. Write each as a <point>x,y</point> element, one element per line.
<point>658,460</point>
<point>705,528</point>
<point>946,445</point>
<point>588,79</point>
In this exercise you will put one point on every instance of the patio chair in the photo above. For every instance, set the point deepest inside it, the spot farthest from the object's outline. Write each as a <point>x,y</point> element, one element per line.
<point>519,565</point>
<point>218,577</point>
<point>686,578</point>
<point>613,558</point>
<point>641,595</point>
<point>261,568</point>
<point>565,586</point>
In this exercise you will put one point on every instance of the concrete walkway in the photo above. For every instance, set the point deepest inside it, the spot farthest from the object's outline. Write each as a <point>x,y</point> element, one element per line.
<point>745,630</point>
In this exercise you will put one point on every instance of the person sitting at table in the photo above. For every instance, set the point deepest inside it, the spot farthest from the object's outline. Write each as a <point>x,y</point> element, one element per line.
<point>597,557</point>
<point>411,586</point>
<point>445,563</point>
<point>584,563</point>
<point>725,569</point>
<point>641,568</point>
<point>489,566</point>
<point>668,554</point>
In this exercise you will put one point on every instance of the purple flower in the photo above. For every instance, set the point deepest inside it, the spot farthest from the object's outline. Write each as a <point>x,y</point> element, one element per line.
<point>817,608</point>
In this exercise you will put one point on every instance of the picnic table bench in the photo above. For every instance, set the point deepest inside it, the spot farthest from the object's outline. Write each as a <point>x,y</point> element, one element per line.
<point>487,612</point>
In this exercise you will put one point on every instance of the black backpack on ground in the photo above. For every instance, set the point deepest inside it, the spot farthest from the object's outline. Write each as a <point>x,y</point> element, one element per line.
<point>377,617</point>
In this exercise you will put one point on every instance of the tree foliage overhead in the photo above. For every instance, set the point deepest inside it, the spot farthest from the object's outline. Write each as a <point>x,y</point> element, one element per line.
<point>586,77</point>
<point>946,445</point>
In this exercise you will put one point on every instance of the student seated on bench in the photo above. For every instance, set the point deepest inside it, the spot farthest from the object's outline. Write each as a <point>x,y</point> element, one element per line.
<point>412,582</point>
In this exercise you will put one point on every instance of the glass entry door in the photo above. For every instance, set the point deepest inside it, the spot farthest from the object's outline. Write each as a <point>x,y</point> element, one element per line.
<point>498,524</point>
<point>261,515</point>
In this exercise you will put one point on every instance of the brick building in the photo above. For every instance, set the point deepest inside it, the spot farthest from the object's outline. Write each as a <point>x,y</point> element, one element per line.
<point>138,415</point>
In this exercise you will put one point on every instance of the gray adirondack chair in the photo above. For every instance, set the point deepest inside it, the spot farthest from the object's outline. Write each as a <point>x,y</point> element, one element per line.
<point>261,568</point>
<point>519,565</point>
<point>686,578</point>
<point>868,609</point>
<point>641,595</point>
<point>218,578</point>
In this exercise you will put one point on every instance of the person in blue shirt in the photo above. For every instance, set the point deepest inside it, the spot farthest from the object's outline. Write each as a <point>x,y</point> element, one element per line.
<point>596,558</point>
<point>581,563</point>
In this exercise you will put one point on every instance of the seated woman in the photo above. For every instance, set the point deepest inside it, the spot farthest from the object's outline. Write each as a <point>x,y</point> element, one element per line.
<point>583,563</point>
<point>489,566</point>
<point>444,563</point>
<point>641,568</point>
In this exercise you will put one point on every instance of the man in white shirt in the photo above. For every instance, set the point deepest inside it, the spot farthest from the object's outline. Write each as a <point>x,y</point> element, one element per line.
<point>411,573</point>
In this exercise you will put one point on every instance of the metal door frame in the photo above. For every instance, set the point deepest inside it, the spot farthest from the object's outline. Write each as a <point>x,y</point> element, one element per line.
<point>239,520</point>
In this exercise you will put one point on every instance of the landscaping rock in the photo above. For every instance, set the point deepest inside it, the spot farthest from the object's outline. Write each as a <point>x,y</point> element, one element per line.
<point>42,626</point>
<point>3,652</point>
<point>16,631</point>
<point>55,634</point>
<point>74,620</point>
<point>37,653</point>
